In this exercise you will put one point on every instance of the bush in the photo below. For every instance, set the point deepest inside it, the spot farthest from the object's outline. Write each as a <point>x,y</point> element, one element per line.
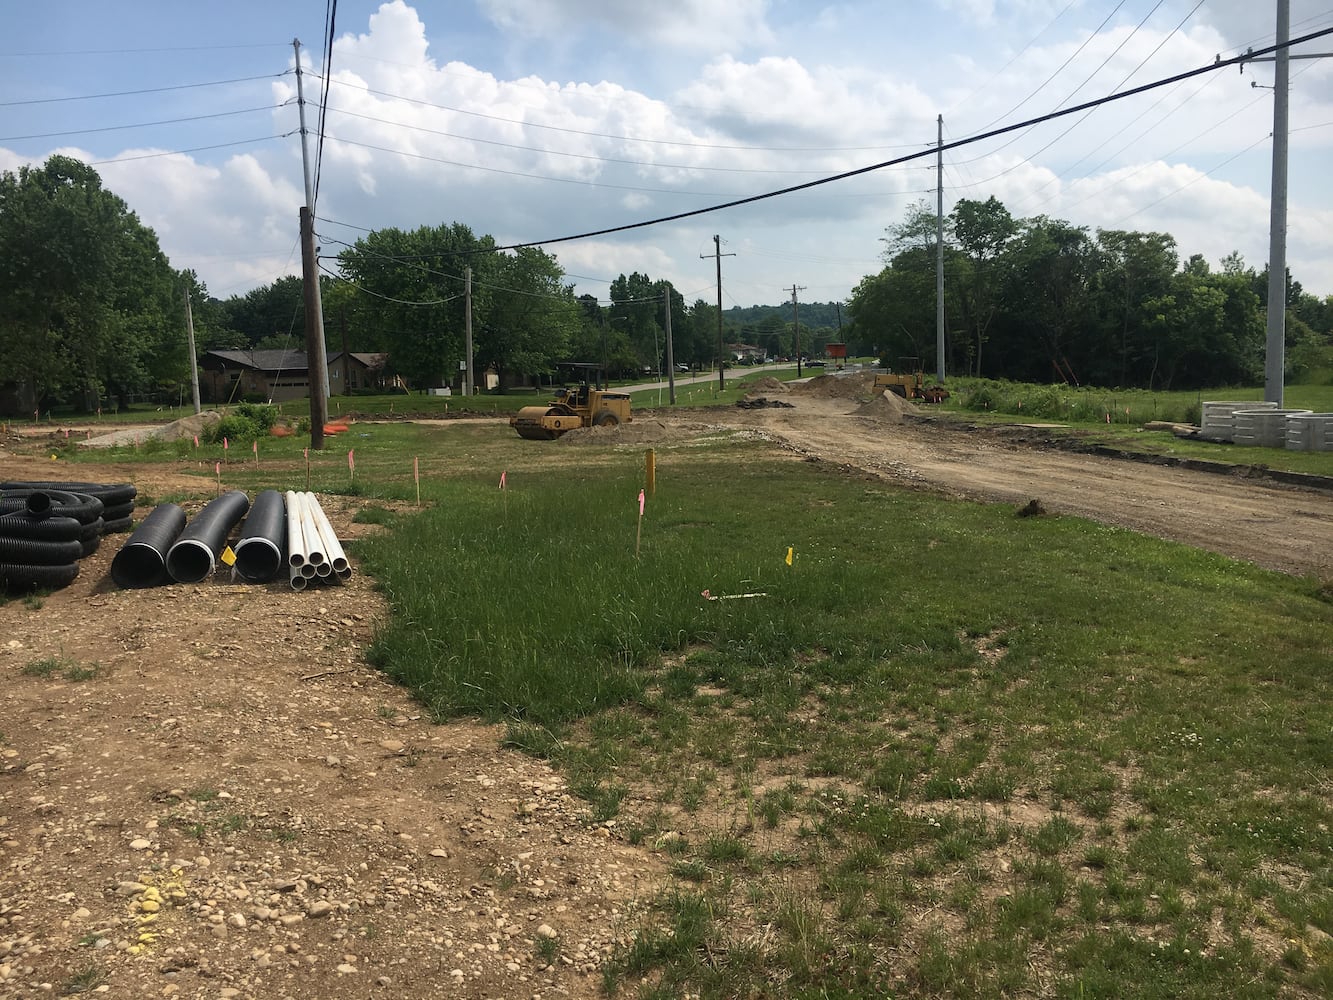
<point>246,422</point>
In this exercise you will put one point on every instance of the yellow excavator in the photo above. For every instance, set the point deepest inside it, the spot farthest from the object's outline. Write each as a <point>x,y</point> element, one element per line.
<point>580,405</point>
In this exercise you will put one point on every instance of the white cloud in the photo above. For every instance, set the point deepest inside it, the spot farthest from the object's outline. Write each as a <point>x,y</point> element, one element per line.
<point>686,24</point>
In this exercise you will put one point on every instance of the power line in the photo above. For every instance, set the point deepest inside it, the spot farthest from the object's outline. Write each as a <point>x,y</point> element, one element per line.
<point>146,90</point>
<point>560,152</point>
<point>387,298</point>
<point>192,149</point>
<point>117,52</point>
<point>1061,113</point>
<point>118,128</point>
<point>611,135</point>
<point>330,20</point>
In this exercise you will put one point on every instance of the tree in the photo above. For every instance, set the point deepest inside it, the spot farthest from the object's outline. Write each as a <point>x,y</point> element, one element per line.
<point>411,293</point>
<point>86,295</point>
<point>982,230</point>
<point>532,316</point>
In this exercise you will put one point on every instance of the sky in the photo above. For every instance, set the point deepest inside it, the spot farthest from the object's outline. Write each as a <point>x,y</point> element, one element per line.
<point>535,120</point>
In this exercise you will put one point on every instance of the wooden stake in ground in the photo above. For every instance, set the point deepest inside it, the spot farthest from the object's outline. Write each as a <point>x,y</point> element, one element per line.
<point>416,477</point>
<point>306,453</point>
<point>255,448</point>
<point>504,488</point>
<point>638,535</point>
<point>217,471</point>
<point>351,464</point>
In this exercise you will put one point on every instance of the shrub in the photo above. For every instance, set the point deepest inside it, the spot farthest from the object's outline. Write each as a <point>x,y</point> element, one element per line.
<point>246,422</point>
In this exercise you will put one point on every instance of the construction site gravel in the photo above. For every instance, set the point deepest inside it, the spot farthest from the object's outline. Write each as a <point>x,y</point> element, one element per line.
<point>210,794</point>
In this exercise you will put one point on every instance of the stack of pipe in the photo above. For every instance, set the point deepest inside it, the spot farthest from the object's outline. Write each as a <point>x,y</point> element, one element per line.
<point>313,550</point>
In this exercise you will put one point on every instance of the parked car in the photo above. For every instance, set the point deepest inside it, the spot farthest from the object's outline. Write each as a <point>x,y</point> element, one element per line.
<point>682,368</point>
<point>814,364</point>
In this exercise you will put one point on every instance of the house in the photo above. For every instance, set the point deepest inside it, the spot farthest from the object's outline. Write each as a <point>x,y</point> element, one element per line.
<point>253,375</point>
<point>279,375</point>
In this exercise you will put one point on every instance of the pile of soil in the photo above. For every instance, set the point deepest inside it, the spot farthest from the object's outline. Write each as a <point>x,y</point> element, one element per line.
<point>888,407</point>
<point>183,429</point>
<point>767,384</point>
<point>855,385</point>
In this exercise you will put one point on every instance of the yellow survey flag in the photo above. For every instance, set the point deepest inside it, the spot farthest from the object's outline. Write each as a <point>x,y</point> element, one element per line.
<point>788,555</point>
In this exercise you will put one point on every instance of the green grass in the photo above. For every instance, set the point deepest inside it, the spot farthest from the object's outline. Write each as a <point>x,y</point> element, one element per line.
<point>63,666</point>
<point>1131,799</point>
<point>907,814</point>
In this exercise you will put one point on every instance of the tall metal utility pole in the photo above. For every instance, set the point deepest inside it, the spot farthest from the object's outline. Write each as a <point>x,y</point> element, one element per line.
<point>317,366</point>
<point>939,251</point>
<point>796,325</point>
<point>671,354</point>
<point>467,328</point>
<point>1275,346</point>
<point>194,359</point>
<point>718,254</point>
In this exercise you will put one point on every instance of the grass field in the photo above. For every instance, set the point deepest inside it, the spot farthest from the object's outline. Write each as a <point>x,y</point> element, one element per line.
<point>945,752</point>
<point>948,752</point>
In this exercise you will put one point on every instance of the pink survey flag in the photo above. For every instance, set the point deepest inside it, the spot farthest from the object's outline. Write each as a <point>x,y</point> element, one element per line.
<point>351,460</point>
<point>641,503</point>
<point>503,486</point>
<point>225,445</point>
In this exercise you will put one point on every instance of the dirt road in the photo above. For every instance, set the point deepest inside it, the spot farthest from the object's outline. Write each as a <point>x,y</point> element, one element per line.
<point>1277,526</point>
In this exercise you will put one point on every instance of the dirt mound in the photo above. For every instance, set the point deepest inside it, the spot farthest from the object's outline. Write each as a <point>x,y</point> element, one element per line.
<point>637,431</point>
<point>887,406</point>
<point>183,429</point>
<point>766,384</point>
<point>856,385</point>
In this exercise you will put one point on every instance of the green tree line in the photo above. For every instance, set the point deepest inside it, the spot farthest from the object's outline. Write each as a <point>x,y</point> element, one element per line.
<point>1041,300</point>
<point>91,309</point>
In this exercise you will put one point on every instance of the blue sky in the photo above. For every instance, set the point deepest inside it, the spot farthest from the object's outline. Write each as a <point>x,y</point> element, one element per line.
<point>532,120</point>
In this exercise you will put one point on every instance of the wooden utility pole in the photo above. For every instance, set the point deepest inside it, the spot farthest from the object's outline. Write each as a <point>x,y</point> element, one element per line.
<point>467,328</point>
<point>718,254</point>
<point>939,252</point>
<point>796,325</point>
<point>194,360</point>
<point>317,366</point>
<point>671,355</point>
<point>314,334</point>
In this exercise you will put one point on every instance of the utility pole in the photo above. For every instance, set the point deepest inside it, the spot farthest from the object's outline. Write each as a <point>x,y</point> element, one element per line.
<point>467,327</point>
<point>671,357</point>
<point>718,254</point>
<point>796,324</point>
<point>939,252</point>
<point>317,366</point>
<point>194,360</point>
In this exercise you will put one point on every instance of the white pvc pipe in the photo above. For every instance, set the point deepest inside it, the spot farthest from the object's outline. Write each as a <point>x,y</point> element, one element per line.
<point>299,582</point>
<point>295,537</point>
<point>332,546</point>
<point>314,547</point>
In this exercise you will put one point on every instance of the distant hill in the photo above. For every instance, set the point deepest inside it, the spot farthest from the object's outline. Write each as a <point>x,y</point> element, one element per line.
<point>814,315</point>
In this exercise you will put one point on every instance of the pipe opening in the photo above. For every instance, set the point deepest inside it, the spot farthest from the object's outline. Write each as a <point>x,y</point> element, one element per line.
<point>258,559</point>
<point>138,565</point>
<point>190,561</point>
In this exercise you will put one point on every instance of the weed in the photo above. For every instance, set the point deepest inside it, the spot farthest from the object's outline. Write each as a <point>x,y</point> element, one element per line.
<point>86,980</point>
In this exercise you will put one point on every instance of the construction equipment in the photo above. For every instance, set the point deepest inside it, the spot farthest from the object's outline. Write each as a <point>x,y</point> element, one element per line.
<point>580,405</point>
<point>910,383</point>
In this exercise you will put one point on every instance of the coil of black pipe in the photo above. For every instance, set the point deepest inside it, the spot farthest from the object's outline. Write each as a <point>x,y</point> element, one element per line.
<point>20,576</point>
<point>263,541</point>
<point>82,506</point>
<point>142,560</point>
<point>38,548</point>
<point>193,556</point>
<point>111,494</point>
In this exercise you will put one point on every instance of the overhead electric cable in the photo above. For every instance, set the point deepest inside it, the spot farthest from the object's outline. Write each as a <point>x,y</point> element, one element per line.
<point>1012,59</point>
<point>622,138</point>
<point>931,151</point>
<point>330,22</point>
<point>117,52</point>
<point>192,149</point>
<point>146,90</point>
<point>559,152</point>
<point>119,128</point>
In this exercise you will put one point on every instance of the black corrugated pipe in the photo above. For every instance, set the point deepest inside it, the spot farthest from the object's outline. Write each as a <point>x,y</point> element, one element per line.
<point>48,529</point>
<point>142,560</point>
<point>83,506</point>
<point>264,539</point>
<point>21,577</point>
<point>194,555</point>
<point>36,552</point>
<point>111,494</point>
